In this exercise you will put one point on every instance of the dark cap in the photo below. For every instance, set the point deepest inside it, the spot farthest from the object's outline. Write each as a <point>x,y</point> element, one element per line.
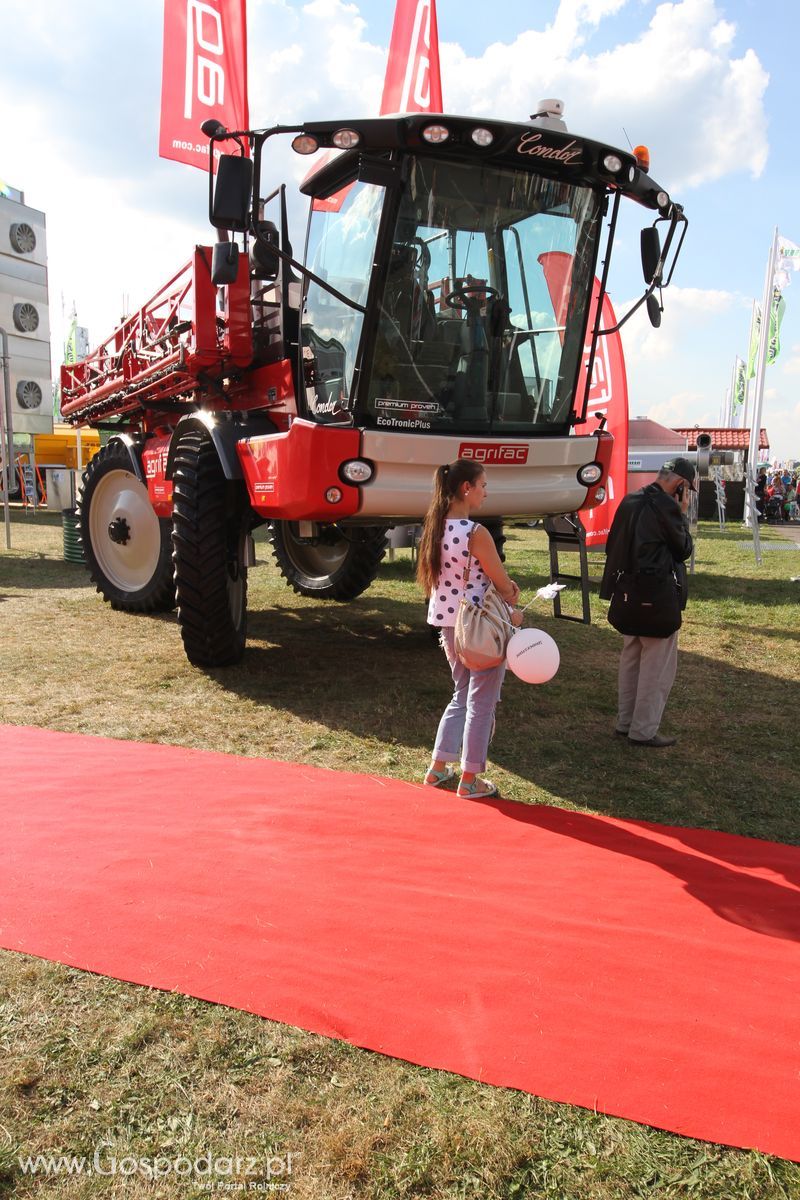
<point>684,468</point>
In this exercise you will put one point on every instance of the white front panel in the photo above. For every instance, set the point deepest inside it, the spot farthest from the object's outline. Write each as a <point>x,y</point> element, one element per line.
<point>527,477</point>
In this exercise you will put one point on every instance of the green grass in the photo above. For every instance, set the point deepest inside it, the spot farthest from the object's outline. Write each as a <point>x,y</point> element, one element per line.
<point>360,687</point>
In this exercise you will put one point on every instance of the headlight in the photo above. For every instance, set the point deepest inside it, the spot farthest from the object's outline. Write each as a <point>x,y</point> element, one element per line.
<point>304,143</point>
<point>357,471</point>
<point>333,495</point>
<point>600,495</point>
<point>482,137</point>
<point>612,163</point>
<point>436,134</point>
<point>590,474</point>
<point>345,139</point>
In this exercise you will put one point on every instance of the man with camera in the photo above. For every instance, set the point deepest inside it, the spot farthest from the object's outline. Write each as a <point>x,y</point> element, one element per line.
<point>645,580</point>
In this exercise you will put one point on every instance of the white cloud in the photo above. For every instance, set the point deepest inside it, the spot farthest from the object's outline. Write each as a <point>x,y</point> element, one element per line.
<point>687,313</point>
<point>675,87</point>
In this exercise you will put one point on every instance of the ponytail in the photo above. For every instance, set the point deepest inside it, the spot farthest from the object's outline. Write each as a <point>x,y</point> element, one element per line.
<point>446,482</point>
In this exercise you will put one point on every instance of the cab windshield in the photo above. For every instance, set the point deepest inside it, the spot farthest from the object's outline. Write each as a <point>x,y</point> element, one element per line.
<point>481,301</point>
<point>483,311</point>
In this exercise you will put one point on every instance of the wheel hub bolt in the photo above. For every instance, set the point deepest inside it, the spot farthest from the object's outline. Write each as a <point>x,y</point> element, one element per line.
<point>119,531</point>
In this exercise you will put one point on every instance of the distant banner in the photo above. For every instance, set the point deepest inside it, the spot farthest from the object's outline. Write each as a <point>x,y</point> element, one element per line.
<point>755,337</point>
<point>413,80</point>
<point>204,74</point>
<point>608,392</point>
<point>775,319</point>
<point>739,389</point>
<point>71,343</point>
<point>788,260</point>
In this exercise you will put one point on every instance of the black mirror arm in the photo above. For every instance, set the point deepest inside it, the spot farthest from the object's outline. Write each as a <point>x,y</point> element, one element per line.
<point>215,131</point>
<point>304,271</point>
<point>642,299</point>
<point>677,218</point>
<point>257,139</point>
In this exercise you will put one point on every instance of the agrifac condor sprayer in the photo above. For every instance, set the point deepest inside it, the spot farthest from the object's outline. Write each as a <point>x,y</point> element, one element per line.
<point>443,309</point>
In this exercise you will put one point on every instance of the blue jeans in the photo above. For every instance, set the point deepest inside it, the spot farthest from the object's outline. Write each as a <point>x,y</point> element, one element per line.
<point>467,723</point>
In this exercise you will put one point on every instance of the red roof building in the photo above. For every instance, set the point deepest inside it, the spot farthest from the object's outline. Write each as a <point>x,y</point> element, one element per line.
<point>647,434</point>
<point>724,439</point>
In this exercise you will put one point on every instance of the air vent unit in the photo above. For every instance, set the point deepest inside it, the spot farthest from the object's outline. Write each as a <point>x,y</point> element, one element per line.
<point>29,394</point>
<point>22,238</point>
<point>26,317</point>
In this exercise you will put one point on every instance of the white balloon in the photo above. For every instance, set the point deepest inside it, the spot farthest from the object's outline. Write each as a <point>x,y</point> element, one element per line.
<point>533,655</point>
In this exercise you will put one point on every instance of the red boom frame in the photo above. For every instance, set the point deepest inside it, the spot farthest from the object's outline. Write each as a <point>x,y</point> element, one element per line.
<point>163,350</point>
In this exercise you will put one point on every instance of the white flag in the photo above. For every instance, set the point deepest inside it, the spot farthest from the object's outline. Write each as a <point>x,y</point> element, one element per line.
<point>788,260</point>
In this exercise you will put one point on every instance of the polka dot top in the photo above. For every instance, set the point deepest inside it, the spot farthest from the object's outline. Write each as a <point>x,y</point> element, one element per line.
<point>443,604</point>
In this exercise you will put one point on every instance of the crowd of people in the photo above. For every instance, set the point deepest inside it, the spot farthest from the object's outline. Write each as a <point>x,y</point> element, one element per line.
<point>776,496</point>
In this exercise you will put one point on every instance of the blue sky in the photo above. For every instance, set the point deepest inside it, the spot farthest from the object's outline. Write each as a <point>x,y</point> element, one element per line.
<point>711,86</point>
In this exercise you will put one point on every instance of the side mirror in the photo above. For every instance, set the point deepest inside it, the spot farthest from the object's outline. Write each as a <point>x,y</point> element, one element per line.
<point>224,263</point>
<point>651,253</point>
<point>230,207</point>
<point>265,263</point>
<point>653,311</point>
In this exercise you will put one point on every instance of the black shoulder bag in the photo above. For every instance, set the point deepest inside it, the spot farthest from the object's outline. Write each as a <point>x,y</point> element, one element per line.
<point>645,604</point>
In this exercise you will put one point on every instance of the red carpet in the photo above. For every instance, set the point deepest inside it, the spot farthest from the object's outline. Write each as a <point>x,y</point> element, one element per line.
<point>644,971</point>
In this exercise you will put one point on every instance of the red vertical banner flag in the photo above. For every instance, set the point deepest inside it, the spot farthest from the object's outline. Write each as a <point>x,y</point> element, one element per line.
<point>413,80</point>
<point>608,389</point>
<point>204,74</point>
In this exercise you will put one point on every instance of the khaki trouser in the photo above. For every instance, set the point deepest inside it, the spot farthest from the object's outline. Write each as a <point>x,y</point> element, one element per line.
<point>647,669</point>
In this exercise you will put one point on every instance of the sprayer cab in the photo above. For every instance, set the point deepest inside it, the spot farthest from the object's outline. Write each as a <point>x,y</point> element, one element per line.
<point>449,268</point>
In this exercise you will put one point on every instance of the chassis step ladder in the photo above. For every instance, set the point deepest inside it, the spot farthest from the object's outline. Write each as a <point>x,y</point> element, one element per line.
<point>566,534</point>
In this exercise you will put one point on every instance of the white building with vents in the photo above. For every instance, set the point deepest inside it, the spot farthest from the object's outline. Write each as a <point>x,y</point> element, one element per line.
<point>24,312</point>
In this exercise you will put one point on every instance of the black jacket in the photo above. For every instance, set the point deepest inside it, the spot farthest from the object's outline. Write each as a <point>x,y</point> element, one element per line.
<point>661,542</point>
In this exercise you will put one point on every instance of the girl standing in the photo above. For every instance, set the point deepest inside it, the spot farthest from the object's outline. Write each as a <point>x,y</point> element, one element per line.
<point>449,537</point>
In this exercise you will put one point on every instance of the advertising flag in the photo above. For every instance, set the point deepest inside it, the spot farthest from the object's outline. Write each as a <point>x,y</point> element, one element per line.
<point>755,336</point>
<point>788,260</point>
<point>608,391</point>
<point>204,74</point>
<point>739,390</point>
<point>71,341</point>
<point>413,80</point>
<point>775,319</point>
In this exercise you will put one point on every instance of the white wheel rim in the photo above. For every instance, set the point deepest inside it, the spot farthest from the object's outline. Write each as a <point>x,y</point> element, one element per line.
<point>128,566</point>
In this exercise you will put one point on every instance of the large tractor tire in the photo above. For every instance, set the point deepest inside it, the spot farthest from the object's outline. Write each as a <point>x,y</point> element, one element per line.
<point>338,565</point>
<point>127,548</point>
<point>210,527</point>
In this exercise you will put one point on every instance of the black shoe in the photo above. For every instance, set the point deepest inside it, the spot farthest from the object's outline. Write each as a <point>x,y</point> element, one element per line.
<point>620,733</point>
<point>656,741</point>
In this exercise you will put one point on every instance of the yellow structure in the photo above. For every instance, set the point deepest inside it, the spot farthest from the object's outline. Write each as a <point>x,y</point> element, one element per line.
<point>60,448</point>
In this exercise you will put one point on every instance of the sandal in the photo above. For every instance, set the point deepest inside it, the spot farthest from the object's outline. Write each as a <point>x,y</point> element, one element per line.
<point>474,790</point>
<point>438,778</point>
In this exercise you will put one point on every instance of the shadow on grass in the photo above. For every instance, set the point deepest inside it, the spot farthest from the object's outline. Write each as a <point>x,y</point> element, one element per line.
<point>39,572</point>
<point>43,516</point>
<point>371,669</point>
<point>762,592</point>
